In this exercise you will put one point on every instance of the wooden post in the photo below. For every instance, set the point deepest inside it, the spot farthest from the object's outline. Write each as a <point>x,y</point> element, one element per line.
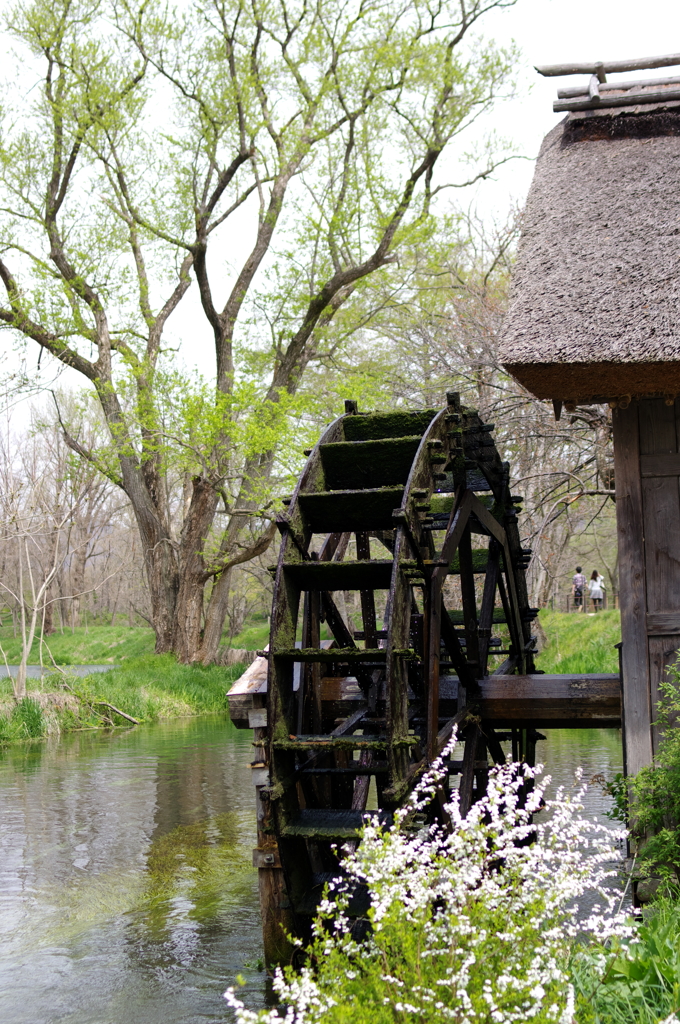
<point>277,917</point>
<point>647,468</point>
<point>636,707</point>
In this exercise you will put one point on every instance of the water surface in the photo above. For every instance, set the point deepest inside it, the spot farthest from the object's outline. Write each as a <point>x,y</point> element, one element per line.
<point>127,892</point>
<point>126,887</point>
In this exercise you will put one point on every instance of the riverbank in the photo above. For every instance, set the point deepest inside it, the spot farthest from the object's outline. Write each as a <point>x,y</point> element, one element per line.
<point>145,689</point>
<point>86,645</point>
<point>108,645</point>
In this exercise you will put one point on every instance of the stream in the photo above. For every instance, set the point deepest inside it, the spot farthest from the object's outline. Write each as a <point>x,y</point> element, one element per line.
<point>126,887</point>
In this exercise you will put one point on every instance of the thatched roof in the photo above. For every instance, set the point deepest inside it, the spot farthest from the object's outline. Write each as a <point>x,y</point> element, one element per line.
<point>595,304</point>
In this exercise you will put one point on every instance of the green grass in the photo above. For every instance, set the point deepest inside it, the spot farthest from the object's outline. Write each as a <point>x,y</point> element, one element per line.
<point>25,721</point>
<point>642,987</point>
<point>148,686</point>
<point>111,645</point>
<point>253,637</point>
<point>100,645</point>
<point>147,689</point>
<point>580,643</point>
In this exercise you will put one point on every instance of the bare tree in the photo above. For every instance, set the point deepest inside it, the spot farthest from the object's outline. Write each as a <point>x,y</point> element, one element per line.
<point>54,512</point>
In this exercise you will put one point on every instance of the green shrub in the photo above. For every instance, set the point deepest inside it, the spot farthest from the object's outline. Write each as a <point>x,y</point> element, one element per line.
<point>641,981</point>
<point>651,800</point>
<point>472,927</point>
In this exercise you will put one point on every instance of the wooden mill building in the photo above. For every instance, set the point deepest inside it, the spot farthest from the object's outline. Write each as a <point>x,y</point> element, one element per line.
<point>595,317</point>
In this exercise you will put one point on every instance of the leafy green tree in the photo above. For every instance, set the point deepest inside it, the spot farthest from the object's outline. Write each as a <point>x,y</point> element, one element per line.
<point>279,154</point>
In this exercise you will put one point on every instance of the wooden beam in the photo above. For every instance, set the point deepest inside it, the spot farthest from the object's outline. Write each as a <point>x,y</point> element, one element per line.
<point>582,90</point>
<point>663,623</point>
<point>628,99</point>
<point>545,700</point>
<point>467,776</point>
<point>550,700</point>
<point>609,67</point>
<point>594,89</point>
<point>660,464</point>
<point>632,587</point>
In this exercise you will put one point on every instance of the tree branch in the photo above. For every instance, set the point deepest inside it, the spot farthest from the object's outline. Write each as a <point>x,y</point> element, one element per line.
<point>246,554</point>
<point>17,318</point>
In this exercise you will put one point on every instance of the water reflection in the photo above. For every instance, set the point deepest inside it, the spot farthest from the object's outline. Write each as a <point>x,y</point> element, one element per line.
<point>126,886</point>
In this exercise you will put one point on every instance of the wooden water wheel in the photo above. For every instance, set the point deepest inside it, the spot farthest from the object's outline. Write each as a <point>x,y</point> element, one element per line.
<point>407,518</point>
<point>402,524</point>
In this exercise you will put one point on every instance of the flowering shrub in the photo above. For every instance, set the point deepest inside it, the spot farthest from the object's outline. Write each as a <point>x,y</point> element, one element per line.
<point>467,926</point>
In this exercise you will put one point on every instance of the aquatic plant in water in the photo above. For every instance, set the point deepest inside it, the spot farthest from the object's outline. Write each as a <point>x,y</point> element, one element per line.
<point>475,924</point>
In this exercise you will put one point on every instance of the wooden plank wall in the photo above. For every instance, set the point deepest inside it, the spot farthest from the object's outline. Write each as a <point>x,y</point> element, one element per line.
<point>647,465</point>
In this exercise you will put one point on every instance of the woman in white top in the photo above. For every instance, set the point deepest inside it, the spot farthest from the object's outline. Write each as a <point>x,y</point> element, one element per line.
<point>596,589</point>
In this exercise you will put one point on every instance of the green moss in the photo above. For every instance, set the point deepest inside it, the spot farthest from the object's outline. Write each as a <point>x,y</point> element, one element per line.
<point>387,424</point>
<point>327,511</point>
<point>376,463</point>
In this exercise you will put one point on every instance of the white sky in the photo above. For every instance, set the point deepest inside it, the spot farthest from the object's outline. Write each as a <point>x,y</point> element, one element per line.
<point>554,32</point>
<point>547,32</point>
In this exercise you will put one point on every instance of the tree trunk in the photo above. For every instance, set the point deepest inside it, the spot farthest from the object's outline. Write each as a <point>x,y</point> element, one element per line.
<point>77,583</point>
<point>20,680</point>
<point>48,609</point>
<point>48,617</point>
<point>192,576</point>
<point>214,620</point>
<point>163,582</point>
<point>257,468</point>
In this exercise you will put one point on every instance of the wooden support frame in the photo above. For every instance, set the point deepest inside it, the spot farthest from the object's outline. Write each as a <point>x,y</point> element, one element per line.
<point>647,470</point>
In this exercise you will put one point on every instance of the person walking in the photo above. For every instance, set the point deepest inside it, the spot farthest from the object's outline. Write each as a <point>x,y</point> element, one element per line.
<point>596,590</point>
<point>578,585</point>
